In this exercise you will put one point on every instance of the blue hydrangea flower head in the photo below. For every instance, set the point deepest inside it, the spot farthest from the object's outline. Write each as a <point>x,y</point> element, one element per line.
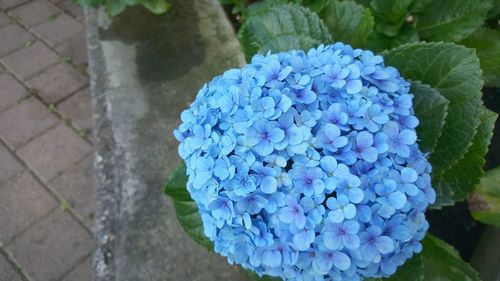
<point>306,166</point>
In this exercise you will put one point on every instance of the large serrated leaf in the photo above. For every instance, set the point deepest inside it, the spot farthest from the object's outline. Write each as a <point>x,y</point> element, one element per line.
<point>454,71</point>
<point>484,202</point>
<point>452,20</point>
<point>392,11</point>
<point>156,6</point>
<point>487,45</point>
<point>348,22</point>
<point>463,177</point>
<point>431,109</point>
<point>185,208</point>
<point>412,270</point>
<point>281,28</point>
<point>443,263</point>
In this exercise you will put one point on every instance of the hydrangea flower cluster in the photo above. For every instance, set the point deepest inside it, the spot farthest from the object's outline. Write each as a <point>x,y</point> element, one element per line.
<point>305,166</point>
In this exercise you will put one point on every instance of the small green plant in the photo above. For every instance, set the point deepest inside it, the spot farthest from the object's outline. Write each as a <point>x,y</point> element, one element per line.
<point>115,7</point>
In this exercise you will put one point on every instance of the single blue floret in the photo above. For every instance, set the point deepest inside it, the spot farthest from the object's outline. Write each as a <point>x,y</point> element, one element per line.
<point>306,166</point>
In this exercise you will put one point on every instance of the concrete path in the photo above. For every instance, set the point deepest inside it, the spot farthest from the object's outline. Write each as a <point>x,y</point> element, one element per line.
<point>46,154</point>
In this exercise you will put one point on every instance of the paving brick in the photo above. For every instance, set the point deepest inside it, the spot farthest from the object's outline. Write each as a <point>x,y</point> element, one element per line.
<point>12,37</point>
<point>52,247</point>
<point>78,109</point>
<point>76,185</point>
<point>57,82</point>
<point>23,201</point>
<point>72,8</point>
<point>24,121</point>
<point>11,91</point>
<point>59,29</point>
<point>54,151</point>
<point>4,19</point>
<point>35,12</point>
<point>82,273</point>
<point>75,48</point>
<point>30,60</point>
<point>8,4</point>
<point>10,165</point>
<point>8,272</point>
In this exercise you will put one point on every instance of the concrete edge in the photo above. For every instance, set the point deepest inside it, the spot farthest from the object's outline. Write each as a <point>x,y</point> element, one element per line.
<point>106,181</point>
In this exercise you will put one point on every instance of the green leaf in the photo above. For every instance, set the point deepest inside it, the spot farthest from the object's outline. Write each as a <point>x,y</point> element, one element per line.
<point>412,270</point>
<point>282,28</point>
<point>463,177</point>
<point>431,109</point>
<point>156,6</point>
<point>495,11</point>
<point>484,202</point>
<point>391,11</point>
<point>487,45</point>
<point>438,261</point>
<point>452,20</point>
<point>419,6</point>
<point>185,208</point>
<point>443,263</point>
<point>253,276</point>
<point>115,7</point>
<point>454,72</point>
<point>348,22</point>
<point>316,6</point>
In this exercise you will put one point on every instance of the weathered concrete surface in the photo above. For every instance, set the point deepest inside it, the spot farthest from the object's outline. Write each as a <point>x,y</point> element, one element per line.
<point>144,70</point>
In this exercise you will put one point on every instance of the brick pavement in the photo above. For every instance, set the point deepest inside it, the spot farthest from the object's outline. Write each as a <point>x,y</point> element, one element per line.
<point>46,154</point>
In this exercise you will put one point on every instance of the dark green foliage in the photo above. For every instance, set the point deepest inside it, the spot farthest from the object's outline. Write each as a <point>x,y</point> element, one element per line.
<point>185,208</point>
<point>115,7</point>
<point>281,28</point>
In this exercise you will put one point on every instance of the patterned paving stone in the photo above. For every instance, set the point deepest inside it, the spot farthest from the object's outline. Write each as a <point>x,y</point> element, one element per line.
<point>35,12</point>
<point>57,82</point>
<point>82,273</point>
<point>23,201</point>
<point>72,8</point>
<point>24,121</point>
<point>76,185</point>
<point>54,151</point>
<point>8,4</point>
<point>30,60</point>
<point>4,19</point>
<point>52,247</point>
<point>8,272</point>
<point>75,49</point>
<point>12,37</point>
<point>11,91</point>
<point>58,29</point>
<point>78,109</point>
<point>10,165</point>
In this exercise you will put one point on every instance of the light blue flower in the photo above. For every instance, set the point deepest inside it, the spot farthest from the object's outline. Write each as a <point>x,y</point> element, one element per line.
<point>340,209</point>
<point>399,141</point>
<point>363,147</point>
<point>340,235</point>
<point>305,165</point>
<point>264,135</point>
<point>308,181</point>
<point>324,261</point>
<point>266,177</point>
<point>336,115</point>
<point>293,213</point>
<point>374,244</point>
<point>329,138</point>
